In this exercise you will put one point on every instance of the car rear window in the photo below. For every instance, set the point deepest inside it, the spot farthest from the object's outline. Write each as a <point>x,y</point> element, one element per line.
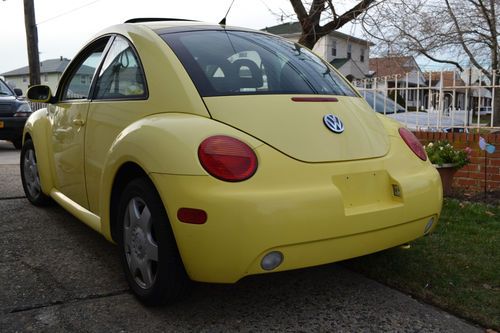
<point>222,62</point>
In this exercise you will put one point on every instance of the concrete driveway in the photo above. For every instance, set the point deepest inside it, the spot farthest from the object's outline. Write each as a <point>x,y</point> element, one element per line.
<point>58,275</point>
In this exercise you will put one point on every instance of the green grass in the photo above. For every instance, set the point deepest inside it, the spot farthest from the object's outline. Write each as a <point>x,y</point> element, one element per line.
<point>457,268</point>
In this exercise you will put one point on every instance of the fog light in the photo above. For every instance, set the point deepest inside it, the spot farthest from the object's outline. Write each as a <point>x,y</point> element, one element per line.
<point>271,260</point>
<point>428,226</point>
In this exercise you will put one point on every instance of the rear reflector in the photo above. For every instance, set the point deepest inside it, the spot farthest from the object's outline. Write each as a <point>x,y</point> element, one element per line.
<point>227,158</point>
<point>412,142</point>
<point>192,215</point>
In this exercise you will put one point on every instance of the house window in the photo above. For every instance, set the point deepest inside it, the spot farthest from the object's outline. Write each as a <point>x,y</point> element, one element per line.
<point>349,51</point>
<point>362,55</point>
<point>83,79</point>
<point>25,79</point>
<point>334,48</point>
<point>46,77</point>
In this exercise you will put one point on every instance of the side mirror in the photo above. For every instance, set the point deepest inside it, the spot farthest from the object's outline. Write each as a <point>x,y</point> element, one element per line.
<point>18,92</point>
<point>40,94</point>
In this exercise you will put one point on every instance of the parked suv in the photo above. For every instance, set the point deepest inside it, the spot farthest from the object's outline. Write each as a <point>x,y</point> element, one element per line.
<point>13,114</point>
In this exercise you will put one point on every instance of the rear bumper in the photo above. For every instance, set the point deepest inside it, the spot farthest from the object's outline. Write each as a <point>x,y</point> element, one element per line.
<point>312,213</point>
<point>12,128</point>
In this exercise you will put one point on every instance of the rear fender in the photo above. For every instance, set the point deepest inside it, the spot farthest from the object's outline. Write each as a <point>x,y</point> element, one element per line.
<point>164,144</point>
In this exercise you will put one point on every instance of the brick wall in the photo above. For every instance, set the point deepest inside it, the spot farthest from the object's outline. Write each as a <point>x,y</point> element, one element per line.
<point>483,173</point>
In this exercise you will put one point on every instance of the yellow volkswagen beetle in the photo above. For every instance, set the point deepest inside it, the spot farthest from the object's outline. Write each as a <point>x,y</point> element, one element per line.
<point>210,153</point>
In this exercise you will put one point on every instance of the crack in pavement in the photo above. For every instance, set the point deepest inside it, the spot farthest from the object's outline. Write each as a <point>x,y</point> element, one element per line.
<point>68,301</point>
<point>13,198</point>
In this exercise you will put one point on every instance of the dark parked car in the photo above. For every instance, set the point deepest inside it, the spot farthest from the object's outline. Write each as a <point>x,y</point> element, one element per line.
<point>381,103</point>
<point>13,114</point>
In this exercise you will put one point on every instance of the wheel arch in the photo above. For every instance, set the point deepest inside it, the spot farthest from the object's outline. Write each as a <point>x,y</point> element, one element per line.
<point>125,174</point>
<point>37,129</point>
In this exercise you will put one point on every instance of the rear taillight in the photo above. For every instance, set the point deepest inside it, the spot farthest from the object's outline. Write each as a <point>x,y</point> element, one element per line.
<point>412,142</point>
<point>227,158</point>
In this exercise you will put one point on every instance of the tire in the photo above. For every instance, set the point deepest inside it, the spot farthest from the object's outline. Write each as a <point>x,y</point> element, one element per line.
<point>149,255</point>
<point>29,176</point>
<point>18,143</point>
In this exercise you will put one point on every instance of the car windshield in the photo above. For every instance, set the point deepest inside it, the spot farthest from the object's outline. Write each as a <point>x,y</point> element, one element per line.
<point>4,89</point>
<point>222,63</point>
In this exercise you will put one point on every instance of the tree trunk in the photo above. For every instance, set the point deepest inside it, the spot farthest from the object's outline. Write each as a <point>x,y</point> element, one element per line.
<point>309,37</point>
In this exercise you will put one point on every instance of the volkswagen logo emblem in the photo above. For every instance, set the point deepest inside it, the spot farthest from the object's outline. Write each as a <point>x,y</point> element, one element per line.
<point>333,123</point>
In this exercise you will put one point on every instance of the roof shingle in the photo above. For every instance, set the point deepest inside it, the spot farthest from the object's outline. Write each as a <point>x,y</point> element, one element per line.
<point>392,65</point>
<point>57,65</point>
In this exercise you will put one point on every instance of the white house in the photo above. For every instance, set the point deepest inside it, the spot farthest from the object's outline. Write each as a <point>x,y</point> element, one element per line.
<point>347,53</point>
<point>399,74</point>
<point>50,73</point>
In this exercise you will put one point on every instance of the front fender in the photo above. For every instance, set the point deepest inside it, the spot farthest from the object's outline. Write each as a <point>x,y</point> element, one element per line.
<point>38,128</point>
<point>163,143</point>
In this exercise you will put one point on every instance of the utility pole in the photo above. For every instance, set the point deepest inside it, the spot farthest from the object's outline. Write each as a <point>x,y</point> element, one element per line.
<point>32,41</point>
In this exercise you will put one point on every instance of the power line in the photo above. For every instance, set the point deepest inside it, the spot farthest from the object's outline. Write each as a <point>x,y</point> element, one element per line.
<point>68,12</point>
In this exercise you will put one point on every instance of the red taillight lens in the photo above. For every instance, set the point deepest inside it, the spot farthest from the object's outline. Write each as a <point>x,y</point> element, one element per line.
<point>412,142</point>
<point>227,158</point>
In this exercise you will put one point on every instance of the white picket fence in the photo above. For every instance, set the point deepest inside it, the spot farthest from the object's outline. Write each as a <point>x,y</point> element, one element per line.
<point>436,101</point>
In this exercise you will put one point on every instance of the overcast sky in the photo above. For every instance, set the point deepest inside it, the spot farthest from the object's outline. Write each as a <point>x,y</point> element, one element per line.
<point>65,26</point>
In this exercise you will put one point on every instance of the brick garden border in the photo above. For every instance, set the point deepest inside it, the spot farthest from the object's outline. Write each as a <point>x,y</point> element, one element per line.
<point>477,176</point>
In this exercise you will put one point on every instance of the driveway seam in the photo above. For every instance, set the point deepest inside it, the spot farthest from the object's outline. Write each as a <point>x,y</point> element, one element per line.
<point>68,301</point>
<point>13,198</point>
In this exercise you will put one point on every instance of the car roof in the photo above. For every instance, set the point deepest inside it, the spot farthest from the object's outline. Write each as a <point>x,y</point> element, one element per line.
<point>168,25</point>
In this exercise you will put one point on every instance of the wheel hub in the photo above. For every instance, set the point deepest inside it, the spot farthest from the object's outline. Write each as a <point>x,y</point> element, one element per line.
<point>138,243</point>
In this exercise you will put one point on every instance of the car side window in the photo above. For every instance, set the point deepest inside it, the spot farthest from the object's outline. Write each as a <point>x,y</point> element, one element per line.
<point>121,75</point>
<point>80,80</point>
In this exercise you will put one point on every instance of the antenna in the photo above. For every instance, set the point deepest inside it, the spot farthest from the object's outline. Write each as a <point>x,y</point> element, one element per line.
<point>223,21</point>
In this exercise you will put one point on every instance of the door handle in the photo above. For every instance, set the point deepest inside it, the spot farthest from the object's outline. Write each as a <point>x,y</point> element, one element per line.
<point>78,122</point>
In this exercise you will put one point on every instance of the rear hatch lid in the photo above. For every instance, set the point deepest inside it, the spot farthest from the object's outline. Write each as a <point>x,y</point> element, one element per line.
<point>297,128</point>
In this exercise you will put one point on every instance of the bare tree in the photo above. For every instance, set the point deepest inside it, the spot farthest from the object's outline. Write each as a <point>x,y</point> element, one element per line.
<point>310,19</point>
<point>457,32</point>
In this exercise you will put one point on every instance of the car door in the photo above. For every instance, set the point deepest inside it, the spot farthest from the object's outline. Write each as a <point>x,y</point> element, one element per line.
<point>68,119</point>
<point>120,97</point>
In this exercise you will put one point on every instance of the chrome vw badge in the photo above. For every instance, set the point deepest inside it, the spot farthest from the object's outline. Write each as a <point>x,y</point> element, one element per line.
<point>333,123</point>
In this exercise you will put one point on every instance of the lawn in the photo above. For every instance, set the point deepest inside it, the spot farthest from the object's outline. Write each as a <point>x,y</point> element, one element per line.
<point>457,268</point>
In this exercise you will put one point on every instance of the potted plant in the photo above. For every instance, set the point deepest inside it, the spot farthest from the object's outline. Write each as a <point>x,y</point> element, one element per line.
<point>447,159</point>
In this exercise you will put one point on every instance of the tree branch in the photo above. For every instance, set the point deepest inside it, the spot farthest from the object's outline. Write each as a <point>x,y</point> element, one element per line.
<point>348,16</point>
<point>462,42</point>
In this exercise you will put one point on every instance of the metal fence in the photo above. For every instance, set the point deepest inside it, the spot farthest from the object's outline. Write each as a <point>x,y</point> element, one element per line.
<point>36,106</point>
<point>436,101</point>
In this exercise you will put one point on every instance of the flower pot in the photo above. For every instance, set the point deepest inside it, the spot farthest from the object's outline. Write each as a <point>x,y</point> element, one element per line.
<point>446,171</point>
